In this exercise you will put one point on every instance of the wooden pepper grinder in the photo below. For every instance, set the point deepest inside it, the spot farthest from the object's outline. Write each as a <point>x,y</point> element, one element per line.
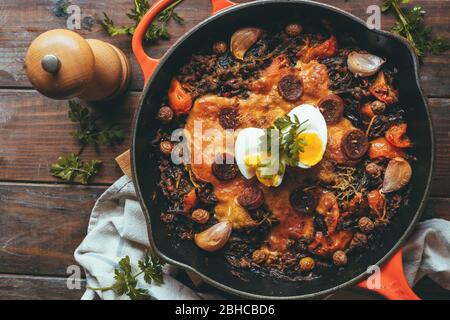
<point>62,65</point>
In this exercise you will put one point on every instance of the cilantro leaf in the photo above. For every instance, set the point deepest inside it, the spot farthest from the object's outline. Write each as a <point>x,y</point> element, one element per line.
<point>290,142</point>
<point>411,25</point>
<point>90,133</point>
<point>126,282</point>
<point>158,30</point>
<point>151,266</point>
<point>71,168</point>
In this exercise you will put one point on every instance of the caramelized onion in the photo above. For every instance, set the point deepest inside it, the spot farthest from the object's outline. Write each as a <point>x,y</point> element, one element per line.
<point>215,237</point>
<point>244,39</point>
<point>398,173</point>
<point>364,64</point>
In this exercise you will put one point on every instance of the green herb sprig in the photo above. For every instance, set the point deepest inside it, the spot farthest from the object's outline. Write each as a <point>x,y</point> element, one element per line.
<point>90,133</point>
<point>71,168</point>
<point>158,30</point>
<point>126,282</point>
<point>411,26</point>
<point>290,142</point>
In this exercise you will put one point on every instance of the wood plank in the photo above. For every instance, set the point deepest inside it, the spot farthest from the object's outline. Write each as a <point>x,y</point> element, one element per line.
<point>14,287</point>
<point>35,131</point>
<point>437,208</point>
<point>19,25</point>
<point>42,224</point>
<point>440,114</point>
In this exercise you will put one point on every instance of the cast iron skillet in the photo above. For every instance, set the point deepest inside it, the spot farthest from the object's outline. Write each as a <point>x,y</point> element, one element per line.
<point>212,267</point>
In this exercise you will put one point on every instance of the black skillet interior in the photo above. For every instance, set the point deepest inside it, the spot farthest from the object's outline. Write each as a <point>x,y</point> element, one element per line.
<point>264,13</point>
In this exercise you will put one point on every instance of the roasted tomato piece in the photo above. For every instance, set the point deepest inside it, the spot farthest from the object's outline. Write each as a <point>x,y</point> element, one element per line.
<point>328,207</point>
<point>224,167</point>
<point>179,100</point>
<point>355,144</point>
<point>383,91</point>
<point>251,198</point>
<point>290,88</point>
<point>303,201</point>
<point>396,135</point>
<point>367,111</point>
<point>332,108</point>
<point>229,118</point>
<point>324,50</point>
<point>376,202</point>
<point>381,148</point>
<point>358,204</point>
<point>325,246</point>
<point>190,200</point>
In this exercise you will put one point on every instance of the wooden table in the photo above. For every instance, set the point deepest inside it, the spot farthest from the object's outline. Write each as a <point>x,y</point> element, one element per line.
<point>42,219</point>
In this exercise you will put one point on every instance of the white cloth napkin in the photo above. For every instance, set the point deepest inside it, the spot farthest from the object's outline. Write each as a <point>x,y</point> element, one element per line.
<point>117,228</point>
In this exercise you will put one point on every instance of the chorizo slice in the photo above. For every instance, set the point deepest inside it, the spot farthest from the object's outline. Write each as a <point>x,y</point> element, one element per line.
<point>224,167</point>
<point>303,201</point>
<point>290,88</point>
<point>355,144</point>
<point>229,118</point>
<point>332,108</point>
<point>251,198</point>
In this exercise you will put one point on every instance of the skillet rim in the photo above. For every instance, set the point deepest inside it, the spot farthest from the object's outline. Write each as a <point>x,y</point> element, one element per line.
<point>229,289</point>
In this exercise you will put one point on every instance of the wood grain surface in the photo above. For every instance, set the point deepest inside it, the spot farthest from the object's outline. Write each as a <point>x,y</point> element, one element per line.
<point>42,220</point>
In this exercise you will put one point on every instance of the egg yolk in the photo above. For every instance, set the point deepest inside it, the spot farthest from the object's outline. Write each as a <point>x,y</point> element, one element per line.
<point>313,149</point>
<point>264,169</point>
<point>268,181</point>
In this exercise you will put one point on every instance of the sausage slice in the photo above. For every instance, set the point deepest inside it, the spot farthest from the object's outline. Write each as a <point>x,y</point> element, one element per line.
<point>332,108</point>
<point>355,144</point>
<point>222,170</point>
<point>229,118</point>
<point>303,201</point>
<point>251,198</point>
<point>290,88</point>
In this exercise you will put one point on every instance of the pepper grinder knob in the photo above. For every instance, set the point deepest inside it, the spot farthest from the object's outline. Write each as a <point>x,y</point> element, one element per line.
<point>60,64</point>
<point>51,63</point>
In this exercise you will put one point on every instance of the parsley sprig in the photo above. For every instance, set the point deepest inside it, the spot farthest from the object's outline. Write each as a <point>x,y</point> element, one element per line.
<point>411,26</point>
<point>70,168</point>
<point>126,282</point>
<point>158,30</point>
<point>290,142</point>
<point>90,133</point>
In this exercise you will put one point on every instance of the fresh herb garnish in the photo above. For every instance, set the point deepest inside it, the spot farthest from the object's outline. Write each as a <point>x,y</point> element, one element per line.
<point>158,29</point>
<point>70,168</point>
<point>411,26</point>
<point>290,142</point>
<point>126,283</point>
<point>90,133</point>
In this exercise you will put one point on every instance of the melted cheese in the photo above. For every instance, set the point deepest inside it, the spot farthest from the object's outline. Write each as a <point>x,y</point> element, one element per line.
<point>263,106</point>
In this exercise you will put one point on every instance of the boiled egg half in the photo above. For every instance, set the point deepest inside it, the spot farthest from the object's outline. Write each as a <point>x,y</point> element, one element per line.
<point>313,135</point>
<point>254,159</point>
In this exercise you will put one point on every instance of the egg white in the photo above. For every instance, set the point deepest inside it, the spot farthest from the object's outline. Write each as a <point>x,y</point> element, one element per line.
<point>315,124</point>
<point>247,143</point>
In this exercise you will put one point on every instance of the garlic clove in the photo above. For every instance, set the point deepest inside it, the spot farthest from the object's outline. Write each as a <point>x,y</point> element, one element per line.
<point>244,39</point>
<point>364,64</point>
<point>398,174</point>
<point>215,237</point>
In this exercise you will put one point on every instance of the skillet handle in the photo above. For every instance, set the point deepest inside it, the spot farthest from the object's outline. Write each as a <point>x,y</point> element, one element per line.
<point>149,64</point>
<point>393,281</point>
